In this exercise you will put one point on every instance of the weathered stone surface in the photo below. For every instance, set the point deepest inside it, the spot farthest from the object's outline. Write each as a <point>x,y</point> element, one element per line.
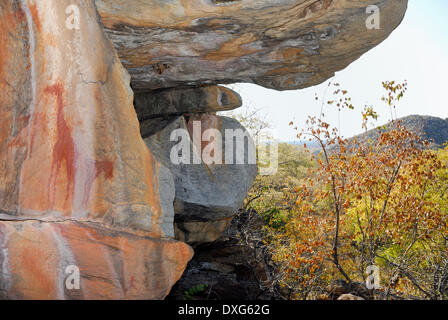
<point>178,101</point>
<point>341,288</point>
<point>285,44</point>
<point>54,109</point>
<point>195,232</point>
<point>71,150</point>
<point>228,268</point>
<point>223,268</point>
<point>34,257</point>
<point>207,193</point>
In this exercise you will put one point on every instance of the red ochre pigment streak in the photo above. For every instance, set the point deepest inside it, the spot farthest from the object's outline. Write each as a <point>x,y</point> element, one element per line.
<point>106,167</point>
<point>94,171</point>
<point>64,148</point>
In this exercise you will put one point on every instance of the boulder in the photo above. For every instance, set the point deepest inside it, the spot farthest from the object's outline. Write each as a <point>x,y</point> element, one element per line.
<point>339,288</point>
<point>229,268</point>
<point>71,151</point>
<point>207,194</point>
<point>349,296</point>
<point>149,127</point>
<point>285,44</point>
<point>196,232</point>
<point>178,101</point>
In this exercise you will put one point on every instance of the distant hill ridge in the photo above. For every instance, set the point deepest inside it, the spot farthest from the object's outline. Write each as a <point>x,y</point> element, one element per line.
<point>429,128</point>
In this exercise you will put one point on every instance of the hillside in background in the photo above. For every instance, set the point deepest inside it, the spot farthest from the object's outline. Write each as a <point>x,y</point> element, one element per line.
<point>430,128</point>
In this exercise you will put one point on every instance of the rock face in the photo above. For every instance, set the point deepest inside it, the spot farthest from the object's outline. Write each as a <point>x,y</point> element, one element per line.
<point>112,264</point>
<point>285,44</point>
<point>209,192</point>
<point>71,150</point>
<point>90,183</point>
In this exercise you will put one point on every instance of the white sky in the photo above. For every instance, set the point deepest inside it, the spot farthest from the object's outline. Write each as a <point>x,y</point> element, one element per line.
<point>416,51</point>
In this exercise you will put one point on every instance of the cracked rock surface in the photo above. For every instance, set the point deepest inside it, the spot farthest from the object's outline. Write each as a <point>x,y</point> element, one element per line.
<point>74,166</point>
<point>208,192</point>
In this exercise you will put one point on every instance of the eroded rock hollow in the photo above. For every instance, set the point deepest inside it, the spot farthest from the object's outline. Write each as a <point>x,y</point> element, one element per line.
<point>87,180</point>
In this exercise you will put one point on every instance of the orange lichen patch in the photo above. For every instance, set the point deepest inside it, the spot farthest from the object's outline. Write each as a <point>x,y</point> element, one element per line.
<point>141,59</point>
<point>36,263</point>
<point>233,48</point>
<point>292,55</point>
<point>278,71</point>
<point>32,258</point>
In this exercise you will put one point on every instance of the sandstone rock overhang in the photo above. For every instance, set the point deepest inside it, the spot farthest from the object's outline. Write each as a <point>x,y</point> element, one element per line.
<point>284,44</point>
<point>78,184</point>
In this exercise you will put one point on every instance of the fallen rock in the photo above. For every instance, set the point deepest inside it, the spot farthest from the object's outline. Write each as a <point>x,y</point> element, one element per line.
<point>338,288</point>
<point>71,150</point>
<point>227,268</point>
<point>207,194</point>
<point>195,232</point>
<point>223,269</point>
<point>178,101</point>
<point>349,296</point>
<point>287,44</point>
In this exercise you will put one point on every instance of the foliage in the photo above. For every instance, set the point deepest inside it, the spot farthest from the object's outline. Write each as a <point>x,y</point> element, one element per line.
<point>195,292</point>
<point>380,202</point>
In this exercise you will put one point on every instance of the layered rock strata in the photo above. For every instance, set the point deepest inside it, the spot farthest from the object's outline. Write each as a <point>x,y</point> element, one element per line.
<point>76,178</point>
<point>285,44</point>
<point>213,163</point>
<point>87,181</point>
